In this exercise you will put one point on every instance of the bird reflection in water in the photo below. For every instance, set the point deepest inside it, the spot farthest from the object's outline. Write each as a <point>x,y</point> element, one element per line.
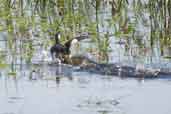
<point>63,71</point>
<point>57,80</point>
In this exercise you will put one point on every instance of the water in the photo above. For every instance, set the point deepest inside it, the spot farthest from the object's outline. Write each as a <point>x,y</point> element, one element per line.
<point>82,93</point>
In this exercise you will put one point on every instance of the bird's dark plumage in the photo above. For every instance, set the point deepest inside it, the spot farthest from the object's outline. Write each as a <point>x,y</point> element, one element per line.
<point>59,50</point>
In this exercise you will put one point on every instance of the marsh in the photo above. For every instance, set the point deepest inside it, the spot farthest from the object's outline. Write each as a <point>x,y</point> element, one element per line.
<point>117,32</point>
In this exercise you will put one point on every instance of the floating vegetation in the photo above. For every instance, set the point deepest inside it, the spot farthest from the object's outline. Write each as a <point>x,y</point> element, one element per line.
<point>167,57</point>
<point>12,74</point>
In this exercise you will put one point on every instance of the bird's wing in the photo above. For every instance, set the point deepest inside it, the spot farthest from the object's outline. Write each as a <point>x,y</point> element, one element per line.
<point>79,38</point>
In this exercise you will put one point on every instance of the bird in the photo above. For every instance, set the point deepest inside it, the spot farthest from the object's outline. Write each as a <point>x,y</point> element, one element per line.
<point>65,51</point>
<point>58,49</point>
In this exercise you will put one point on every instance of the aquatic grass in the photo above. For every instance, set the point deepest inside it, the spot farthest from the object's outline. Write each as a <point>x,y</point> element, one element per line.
<point>74,16</point>
<point>3,65</point>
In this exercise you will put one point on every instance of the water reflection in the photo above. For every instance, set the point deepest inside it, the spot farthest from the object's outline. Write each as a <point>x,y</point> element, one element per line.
<point>87,93</point>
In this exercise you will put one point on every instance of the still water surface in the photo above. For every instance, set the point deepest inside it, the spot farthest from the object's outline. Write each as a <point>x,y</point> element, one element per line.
<point>83,93</point>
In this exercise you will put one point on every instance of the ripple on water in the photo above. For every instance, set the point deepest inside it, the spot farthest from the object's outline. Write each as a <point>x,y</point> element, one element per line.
<point>102,106</point>
<point>15,99</point>
<point>7,113</point>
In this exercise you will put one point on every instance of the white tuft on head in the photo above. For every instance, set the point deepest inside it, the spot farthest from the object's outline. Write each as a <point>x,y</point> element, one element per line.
<point>74,41</point>
<point>75,48</point>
